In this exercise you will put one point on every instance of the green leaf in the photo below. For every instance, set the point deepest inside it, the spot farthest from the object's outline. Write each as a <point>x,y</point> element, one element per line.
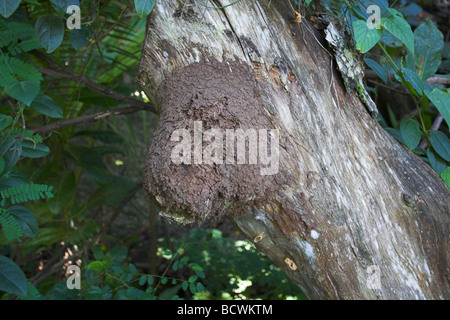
<point>185,285</point>
<point>5,121</point>
<point>65,190</point>
<point>24,91</point>
<point>365,38</point>
<point>375,66</point>
<point>13,153</point>
<point>144,7</point>
<point>192,288</point>
<point>92,162</point>
<point>32,150</point>
<point>117,254</point>
<point>61,5</point>
<point>32,293</point>
<point>192,278</point>
<point>412,9</point>
<point>49,32</point>
<point>200,287</point>
<point>12,278</point>
<point>441,144</point>
<point>392,117</point>
<point>96,265</point>
<point>446,176</point>
<point>394,12</point>
<point>26,220</point>
<point>441,101</point>
<point>200,273</point>
<point>401,29</point>
<point>164,280</point>
<point>79,38</point>
<point>96,251</point>
<point>132,268</point>
<point>150,280</point>
<point>429,43</point>
<point>14,69</point>
<point>46,105</point>
<point>117,269</point>
<point>436,162</point>
<point>413,78</point>
<point>13,180</point>
<point>112,193</point>
<point>33,2</point>
<point>46,236</point>
<point>7,7</point>
<point>142,280</point>
<point>410,131</point>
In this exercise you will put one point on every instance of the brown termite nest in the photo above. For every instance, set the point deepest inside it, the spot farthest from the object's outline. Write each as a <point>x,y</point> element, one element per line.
<point>214,98</point>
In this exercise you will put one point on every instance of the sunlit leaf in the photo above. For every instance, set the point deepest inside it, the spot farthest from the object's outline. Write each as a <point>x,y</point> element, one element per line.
<point>365,38</point>
<point>401,29</point>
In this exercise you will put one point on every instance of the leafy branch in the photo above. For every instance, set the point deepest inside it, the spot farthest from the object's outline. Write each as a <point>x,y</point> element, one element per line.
<point>61,72</point>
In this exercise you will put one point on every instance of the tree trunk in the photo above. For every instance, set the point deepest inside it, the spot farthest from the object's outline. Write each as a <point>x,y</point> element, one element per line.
<point>348,206</point>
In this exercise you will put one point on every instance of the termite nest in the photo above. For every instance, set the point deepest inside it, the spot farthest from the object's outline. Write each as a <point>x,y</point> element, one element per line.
<point>210,96</point>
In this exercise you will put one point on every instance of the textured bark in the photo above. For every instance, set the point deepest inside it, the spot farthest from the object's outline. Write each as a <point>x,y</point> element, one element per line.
<point>351,196</point>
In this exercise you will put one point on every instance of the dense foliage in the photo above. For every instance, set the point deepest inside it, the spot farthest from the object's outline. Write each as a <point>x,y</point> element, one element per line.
<point>73,195</point>
<point>70,173</point>
<point>416,62</point>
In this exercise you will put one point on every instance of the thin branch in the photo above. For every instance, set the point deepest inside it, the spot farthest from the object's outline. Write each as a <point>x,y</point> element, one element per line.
<point>88,118</point>
<point>372,75</point>
<point>434,127</point>
<point>392,88</point>
<point>438,80</point>
<point>61,72</point>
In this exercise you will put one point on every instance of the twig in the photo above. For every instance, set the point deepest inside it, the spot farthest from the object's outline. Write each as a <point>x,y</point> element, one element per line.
<point>88,118</point>
<point>434,127</point>
<point>61,72</point>
<point>49,267</point>
<point>392,88</point>
<point>372,75</point>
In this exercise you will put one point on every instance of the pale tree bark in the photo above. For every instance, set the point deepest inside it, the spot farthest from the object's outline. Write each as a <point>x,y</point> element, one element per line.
<point>352,203</point>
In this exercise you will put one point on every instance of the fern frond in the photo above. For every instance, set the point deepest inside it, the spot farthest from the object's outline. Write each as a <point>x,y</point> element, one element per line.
<point>14,31</point>
<point>18,47</point>
<point>20,71</point>
<point>10,226</point>
<point>25,133</point>
<point>27,192</point>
